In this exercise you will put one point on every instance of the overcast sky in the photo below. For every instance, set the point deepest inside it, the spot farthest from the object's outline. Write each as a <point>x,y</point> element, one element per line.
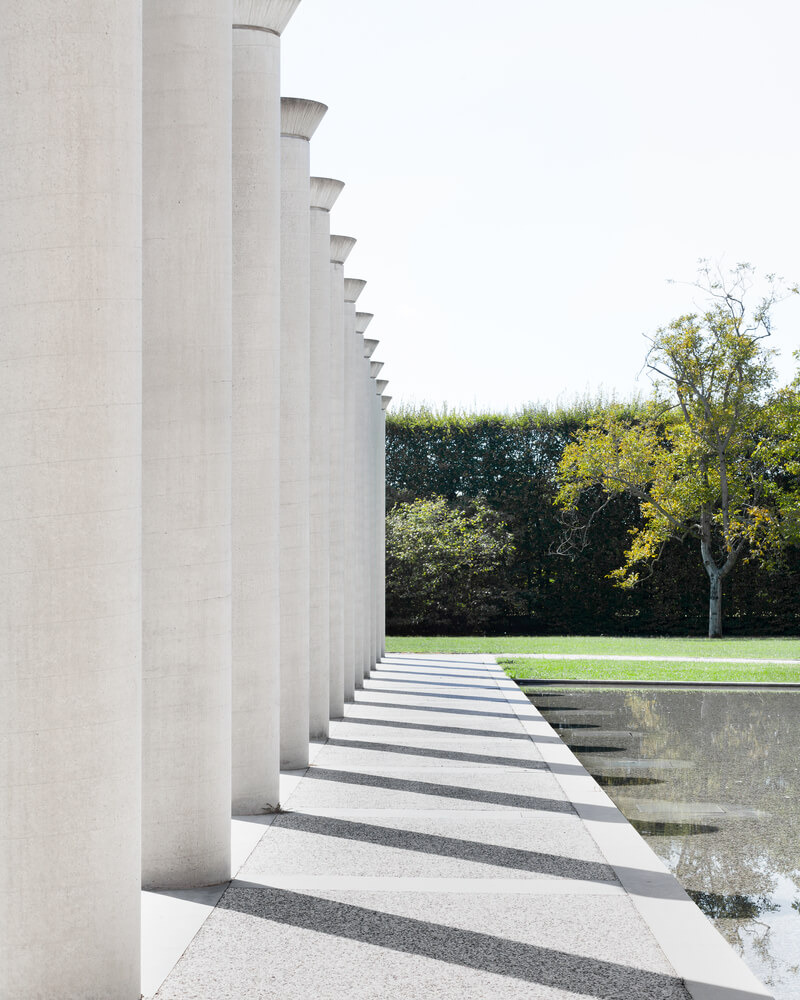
<point>523,176</point>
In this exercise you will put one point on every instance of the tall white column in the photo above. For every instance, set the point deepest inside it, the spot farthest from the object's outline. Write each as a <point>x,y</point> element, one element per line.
<point>363,390</point>
<point>374,412</point>
<point>353,671</point>
<point>255,512</point>
<point>341,682</point>
<point>385,401</point>
<point>70,500</point>
<point>373,417</point>
<point>299,121</point>
<point>187,443</point>
<point>379,515</point>
<point>324,193</point>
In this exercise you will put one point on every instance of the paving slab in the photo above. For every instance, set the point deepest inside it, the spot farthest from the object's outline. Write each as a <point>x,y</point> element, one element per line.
<point>467,845</point>
<point>445,843</point>
<point>417,788</point>
<point>375,753</point>
<point>270,943</point>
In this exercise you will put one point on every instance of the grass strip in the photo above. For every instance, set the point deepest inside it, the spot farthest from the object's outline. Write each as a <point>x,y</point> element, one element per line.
<point>760,649</point>
<point>633,670</point>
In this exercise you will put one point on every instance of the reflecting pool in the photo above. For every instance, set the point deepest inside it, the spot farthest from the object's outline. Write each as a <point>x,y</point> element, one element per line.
<point>711,779</point>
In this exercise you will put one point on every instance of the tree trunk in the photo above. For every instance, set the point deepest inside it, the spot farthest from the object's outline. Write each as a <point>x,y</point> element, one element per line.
<point>715,606</point>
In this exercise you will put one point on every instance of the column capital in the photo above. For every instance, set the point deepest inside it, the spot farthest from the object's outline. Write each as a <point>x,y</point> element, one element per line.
<point>341,246</point>
<point>375,368</point>
<point>353,287</point>
<point>300,118</point>
<point>380,385</point>
<point>324,192</point>
<point>363,320</point>
<point>263,15</point>
<point>385,400</point>
<point>369,347</point>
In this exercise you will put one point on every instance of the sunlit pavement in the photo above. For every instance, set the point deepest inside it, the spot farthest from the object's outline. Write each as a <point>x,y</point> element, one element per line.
<point>444,843</point>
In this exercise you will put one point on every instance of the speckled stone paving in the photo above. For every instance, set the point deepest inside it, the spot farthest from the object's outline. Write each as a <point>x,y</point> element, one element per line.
<point>429,852</point>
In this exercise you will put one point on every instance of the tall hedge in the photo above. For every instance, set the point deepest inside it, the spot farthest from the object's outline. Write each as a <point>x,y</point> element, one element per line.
<point>510,461</point>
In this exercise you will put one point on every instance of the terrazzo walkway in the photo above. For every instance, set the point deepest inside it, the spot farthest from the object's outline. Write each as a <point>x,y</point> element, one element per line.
<point>446,844</point>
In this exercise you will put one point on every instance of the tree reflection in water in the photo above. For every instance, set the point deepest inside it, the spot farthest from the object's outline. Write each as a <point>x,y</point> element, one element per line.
<point>723,826</point>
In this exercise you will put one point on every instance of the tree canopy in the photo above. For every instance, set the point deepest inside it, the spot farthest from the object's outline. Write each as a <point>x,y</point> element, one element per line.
<point>703,460</point>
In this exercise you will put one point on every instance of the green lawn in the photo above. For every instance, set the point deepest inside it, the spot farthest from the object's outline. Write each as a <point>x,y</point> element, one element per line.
<point>642,670</point>
<point>757,649</point>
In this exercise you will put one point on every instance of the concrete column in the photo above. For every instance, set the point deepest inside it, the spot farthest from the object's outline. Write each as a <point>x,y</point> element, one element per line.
<point>299,121</point>
<point>385,401</point>
<point>324,193</point>
<point>354,674</point>
<point>364,390</point>
<point>372,417</point>
<point>341,682</point>
<point>367,391</point>
<point>374,420</point>
<point>70,500</point>
<point>255,509</point>
<point>379,516</point>
<point>187,443</point>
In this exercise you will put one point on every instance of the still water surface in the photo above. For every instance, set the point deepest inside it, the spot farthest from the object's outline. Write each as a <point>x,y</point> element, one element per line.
<point>711,779</point>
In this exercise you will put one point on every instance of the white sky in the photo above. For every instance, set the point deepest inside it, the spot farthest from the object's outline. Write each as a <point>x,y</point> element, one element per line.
<point>522,177</point>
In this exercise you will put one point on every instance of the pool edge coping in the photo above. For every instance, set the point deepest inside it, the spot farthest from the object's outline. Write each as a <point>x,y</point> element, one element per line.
<point>597,682</point>
<point>700,956</point>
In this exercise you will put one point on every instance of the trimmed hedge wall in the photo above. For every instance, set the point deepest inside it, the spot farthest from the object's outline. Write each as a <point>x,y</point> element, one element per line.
<point>510,461</point>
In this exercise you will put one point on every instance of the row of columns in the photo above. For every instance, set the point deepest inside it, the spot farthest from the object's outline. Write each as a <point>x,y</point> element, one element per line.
<point>190,436</point>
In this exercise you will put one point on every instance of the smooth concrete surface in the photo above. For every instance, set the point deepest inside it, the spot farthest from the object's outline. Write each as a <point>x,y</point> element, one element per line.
<point>353,672</point>
<point>70,500</point>
<point>378,515</point>
<point>381,554</point>
<point>299,121</point>
<point>340,249</point>
<point>255,508</point>
<point>270,16</point>
<point>364,473</point>
<point>187,443</point>
<point>432,883</point>
<point>324,193</point>
<point>171,919</point>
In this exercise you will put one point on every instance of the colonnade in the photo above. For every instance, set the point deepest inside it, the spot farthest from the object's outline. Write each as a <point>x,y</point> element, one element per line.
<point>191,435</point>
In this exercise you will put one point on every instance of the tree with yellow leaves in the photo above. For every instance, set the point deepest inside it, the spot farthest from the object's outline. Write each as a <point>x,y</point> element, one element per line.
<point>704,461</point>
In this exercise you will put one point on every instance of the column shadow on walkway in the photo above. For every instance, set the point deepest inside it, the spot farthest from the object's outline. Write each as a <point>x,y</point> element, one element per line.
<point>464,794</point>
<point>561,970</point>
<point>441,709</point>
<point>441,753</point>
<point>494,855</point>
<point>454,730</point>
<point>474,851</point>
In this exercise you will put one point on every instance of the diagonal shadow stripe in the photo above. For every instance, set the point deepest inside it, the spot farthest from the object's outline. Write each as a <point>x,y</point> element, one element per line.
<point>442,753</point>
<point>443,683</point>
<point>560,970</point>
<point>476,666</point>
<point>464,794</point>
<point>448,847</point>
<point>662,886</point>
<point>422,673</point>
<point>441,709</point>
<point>455,730</point>
<point>433,694</point>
